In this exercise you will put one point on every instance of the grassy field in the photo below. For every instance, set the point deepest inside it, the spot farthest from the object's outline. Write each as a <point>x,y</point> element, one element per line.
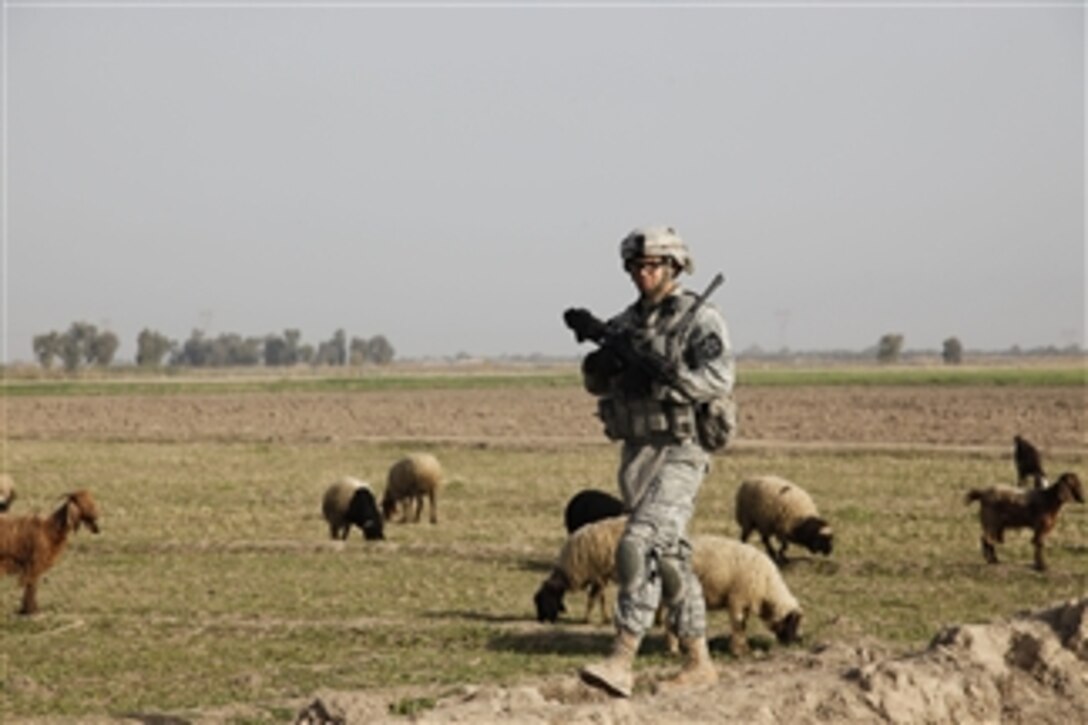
<point>214,581</point>
<point>121,382</point>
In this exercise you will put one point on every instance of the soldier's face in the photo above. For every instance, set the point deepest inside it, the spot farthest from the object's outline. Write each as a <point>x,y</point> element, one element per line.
<point>651,275</point>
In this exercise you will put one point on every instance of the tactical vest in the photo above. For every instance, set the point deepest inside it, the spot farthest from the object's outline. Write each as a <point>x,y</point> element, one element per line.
<point>659,414</point>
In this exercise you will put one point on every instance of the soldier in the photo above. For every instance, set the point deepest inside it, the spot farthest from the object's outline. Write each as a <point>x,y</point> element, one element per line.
<point>664,376</point>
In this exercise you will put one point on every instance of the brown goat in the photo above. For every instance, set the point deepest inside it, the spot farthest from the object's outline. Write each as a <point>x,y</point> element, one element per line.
<point>30,545</point>
<point>1005,507</point>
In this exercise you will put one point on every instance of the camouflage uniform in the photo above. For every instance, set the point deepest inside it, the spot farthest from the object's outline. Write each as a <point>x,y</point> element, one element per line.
<point>660,362</point>
<point>662,463</point>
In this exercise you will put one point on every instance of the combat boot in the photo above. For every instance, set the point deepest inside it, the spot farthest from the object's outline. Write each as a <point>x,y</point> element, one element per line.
<point>698,668</point>
<point>614,674</point>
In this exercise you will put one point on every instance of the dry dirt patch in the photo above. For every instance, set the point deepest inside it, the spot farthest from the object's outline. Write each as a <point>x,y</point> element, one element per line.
<point>1030,668</point>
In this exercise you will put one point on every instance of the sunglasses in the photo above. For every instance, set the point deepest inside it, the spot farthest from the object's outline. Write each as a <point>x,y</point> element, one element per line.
<point>635,265</point>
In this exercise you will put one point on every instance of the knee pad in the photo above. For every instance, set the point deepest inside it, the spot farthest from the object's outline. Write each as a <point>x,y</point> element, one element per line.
<point>630,563</point>
<point>675,568</point>
<point>672,582</point>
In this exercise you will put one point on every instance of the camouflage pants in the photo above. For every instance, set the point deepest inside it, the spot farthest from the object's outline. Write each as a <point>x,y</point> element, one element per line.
<point>659,484</point>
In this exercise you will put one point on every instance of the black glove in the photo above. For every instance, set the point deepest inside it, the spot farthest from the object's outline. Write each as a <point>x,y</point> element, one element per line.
<point>602,363</point>
<point>643,365</point>
<point>585,324</point>
<point>657,367</point>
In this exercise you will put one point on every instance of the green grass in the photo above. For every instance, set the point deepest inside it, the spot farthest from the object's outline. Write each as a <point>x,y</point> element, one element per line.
<point>301,384</point>
<point>1072,374</point>
<point>944,376</point>
<point>214,583</point>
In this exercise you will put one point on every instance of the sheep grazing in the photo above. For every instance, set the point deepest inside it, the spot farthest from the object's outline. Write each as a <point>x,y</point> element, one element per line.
<point>1006,507</point>
<point>30,545</point>
<point>586,561</point>
<point>776,507</point>
<point>742,579</point>
<point>1029,464</point>
<point>410,480</point>
<point>588,506</point>
<point>7,492</point>
<point>350,501</point>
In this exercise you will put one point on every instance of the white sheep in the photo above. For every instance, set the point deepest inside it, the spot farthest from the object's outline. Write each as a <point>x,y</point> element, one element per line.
<point>350,501</point>
<point>7,492</point>
<point>776,507</point>
<point>586,561</point>
<point>410,479</point>
<point>742,579</point>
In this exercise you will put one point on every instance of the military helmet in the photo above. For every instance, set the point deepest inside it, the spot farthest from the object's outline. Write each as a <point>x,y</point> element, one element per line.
<point>656,242</point>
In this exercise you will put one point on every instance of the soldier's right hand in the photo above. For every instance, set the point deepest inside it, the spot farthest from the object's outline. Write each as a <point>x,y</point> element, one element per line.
<point>584,323</point>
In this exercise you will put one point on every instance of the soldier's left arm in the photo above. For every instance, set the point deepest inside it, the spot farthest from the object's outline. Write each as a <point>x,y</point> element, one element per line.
<point>706,369</point>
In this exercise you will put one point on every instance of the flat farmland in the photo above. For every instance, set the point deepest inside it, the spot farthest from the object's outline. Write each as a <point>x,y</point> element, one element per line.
<point>213,593</point>
<point>841,415</point>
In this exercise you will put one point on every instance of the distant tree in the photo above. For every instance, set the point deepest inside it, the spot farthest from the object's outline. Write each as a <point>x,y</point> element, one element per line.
<point>194,352</point>
<point>152,348</point>
<point>889,348</point>
<point>332,352</point>
<point>47,347</point>
<point>952,353</point>
<point>357,351</point>
<point>103,347</point>
<point>292,337</point>
<point>282,351</point>
<point>76,345</point>
<point>231,349</point>
<point>379,351</point>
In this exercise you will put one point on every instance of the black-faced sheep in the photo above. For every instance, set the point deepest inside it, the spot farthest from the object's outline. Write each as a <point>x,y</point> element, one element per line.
<point>588,506</point>
<point>1006,507</point>
<point>776,507</point>
<point>30,545</point>
<point>411,479</point>
<point>586,561</point>
<point>7,492</point>
<point>348,502</point>
<point>742,579</point>
<point>1029,464</point>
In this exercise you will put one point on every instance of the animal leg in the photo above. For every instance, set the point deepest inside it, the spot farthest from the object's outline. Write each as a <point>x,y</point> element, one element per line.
<point>988,551</point>
<point>738,640</point>
<point>672,642</point>
<point>30,598</point>
<point>434,509</point>
<point>1040,562</point>
<point>592,593</point>
<point>768,546</point>
<point>419,508</point>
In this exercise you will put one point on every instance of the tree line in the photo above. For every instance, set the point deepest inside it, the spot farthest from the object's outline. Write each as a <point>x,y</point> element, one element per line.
<point>890,348</point>
<point>82,344</point>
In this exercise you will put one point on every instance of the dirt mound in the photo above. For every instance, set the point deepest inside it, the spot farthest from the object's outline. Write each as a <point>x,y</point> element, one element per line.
<point>1032,667</point>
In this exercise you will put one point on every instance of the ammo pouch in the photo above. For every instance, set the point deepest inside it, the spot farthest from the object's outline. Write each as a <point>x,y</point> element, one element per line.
<point>646,419</point>
<point>716,422</point>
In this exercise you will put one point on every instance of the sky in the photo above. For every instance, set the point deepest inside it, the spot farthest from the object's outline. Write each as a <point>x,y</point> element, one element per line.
<point>454,175</point>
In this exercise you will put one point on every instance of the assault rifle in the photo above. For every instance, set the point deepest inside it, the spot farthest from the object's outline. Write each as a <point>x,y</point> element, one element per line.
<point>621,351</point>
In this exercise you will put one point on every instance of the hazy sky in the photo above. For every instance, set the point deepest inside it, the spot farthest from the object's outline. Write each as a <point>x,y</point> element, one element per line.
<point>453,177</point>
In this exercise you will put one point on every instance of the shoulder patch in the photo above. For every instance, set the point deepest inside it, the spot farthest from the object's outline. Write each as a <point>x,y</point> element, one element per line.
<point>705,349</point>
